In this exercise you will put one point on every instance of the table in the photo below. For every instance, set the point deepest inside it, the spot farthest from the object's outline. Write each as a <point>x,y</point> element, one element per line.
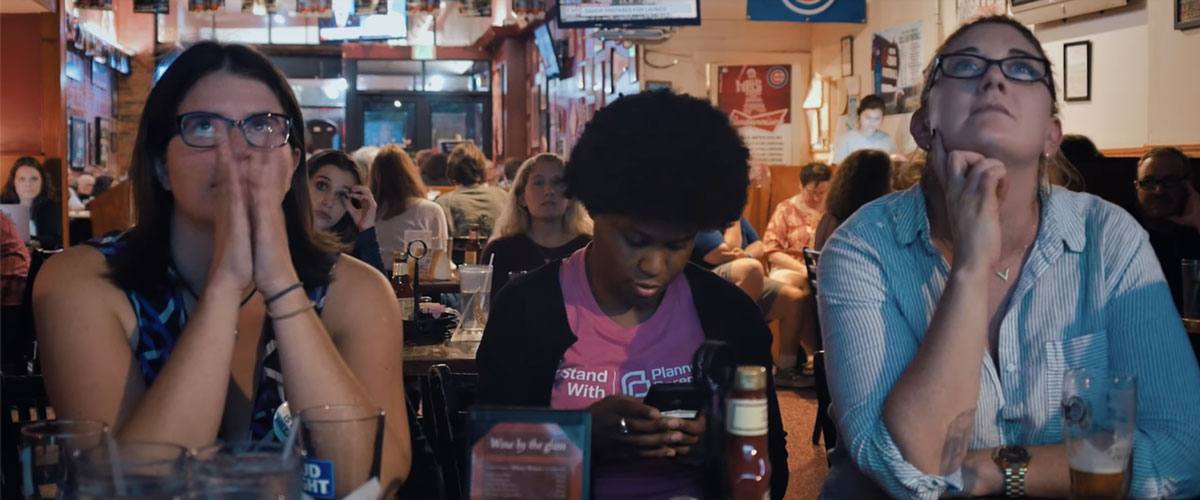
<point>436,287</point>
<point>460,356</point>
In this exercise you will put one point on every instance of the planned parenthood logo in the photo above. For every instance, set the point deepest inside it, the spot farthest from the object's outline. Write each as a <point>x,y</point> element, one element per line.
<point>808,7</point>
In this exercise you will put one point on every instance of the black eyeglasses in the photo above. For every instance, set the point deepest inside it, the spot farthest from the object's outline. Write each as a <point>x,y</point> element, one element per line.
<point>1154,184</point>
<point>264,130</point>
<point>1027,69</point>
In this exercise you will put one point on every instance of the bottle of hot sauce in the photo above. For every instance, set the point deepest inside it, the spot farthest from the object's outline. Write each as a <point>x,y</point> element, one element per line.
<point>471,255</point>
<point>402,287</point>
<point>746,422</point>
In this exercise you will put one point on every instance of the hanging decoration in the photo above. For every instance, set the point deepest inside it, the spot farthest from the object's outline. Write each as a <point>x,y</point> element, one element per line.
<point>475,8</point>
<point>94,4</point>
<point>423,5</point>
<point>84,44</point>
<point>528,8</point>
<point>260,7</point>
<point>314,8</point>
<point>203,6</point>
<point>152,6</point>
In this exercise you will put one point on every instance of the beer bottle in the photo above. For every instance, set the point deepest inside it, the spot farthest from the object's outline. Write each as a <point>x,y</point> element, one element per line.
<point>402,287</point>
<point>471,255</point>
<point>746,414</point>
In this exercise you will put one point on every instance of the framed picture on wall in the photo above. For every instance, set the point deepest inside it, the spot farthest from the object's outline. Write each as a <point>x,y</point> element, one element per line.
<point>103,132</point>
<point>1077,71</point>
<point>847,55</point>
<point>1187,14</point>
<point>77,142</point>
<point>652,86</point>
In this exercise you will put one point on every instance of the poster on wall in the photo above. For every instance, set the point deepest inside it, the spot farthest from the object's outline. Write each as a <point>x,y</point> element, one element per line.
<point>758,100</point>
<point>808,11</point>
<point>971,9</point>
<point>152,6</point>
<point>896,64</point>
<point>314,8</point>
<point>202,6</point>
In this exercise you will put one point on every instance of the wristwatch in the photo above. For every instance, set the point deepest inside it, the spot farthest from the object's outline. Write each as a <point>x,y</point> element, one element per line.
<point>1014,461</point>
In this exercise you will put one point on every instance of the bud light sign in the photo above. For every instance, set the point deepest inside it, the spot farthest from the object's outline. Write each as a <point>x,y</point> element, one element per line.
<point>318,478</point>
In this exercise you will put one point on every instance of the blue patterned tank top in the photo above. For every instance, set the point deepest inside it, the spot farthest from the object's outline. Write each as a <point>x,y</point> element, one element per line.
<point>160,321</point>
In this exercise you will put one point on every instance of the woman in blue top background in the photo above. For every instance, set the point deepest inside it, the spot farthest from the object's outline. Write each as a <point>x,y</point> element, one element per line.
<point>951,311</point>
<point>223,224</point>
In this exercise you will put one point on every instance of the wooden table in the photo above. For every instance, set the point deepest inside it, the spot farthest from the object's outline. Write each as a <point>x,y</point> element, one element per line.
<point>1192,326</point>
<point>460,356</point>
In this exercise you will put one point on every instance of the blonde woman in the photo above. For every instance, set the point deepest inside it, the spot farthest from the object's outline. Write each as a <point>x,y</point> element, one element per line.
<point>540,224</point>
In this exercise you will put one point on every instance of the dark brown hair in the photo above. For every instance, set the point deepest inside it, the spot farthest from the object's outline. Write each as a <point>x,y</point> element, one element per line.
<point>344,229</point>
<point>466,165</point>
<point>394,180</point>
<point>814,173</point>
<point>48,192</point>
<point>870,102</point>
<point>143,265</point>
<point>863,176</point>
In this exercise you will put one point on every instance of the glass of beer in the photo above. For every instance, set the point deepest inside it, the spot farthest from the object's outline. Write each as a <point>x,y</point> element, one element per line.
<point>1099,409</point>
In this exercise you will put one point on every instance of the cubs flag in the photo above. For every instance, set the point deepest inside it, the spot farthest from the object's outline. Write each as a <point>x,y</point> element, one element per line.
<point>808,11</point>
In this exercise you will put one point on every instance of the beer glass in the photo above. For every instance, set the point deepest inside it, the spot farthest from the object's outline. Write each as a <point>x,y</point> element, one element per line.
<point>1099,410</point>
<point>45,449</point>
<point>247,470</point>
<point>142,470</point>
<point>343,448</point>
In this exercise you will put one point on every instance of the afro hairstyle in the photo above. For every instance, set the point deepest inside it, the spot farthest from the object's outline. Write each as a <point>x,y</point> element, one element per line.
<point>661,157</point>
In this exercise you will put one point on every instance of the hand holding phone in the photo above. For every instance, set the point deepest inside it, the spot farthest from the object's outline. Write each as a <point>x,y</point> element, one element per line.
<point>675,400</point>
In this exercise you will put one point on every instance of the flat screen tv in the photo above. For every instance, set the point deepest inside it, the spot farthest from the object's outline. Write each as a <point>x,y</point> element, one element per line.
<point>632,13</point>
<point>388,26</point>
<point>545,45</point>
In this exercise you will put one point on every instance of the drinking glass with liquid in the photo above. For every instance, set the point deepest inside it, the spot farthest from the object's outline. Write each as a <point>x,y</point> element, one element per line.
<point>1099,415</point>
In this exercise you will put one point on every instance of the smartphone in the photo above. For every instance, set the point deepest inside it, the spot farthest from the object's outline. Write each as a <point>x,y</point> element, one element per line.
<point>353,201</point>
<point>675,400</point>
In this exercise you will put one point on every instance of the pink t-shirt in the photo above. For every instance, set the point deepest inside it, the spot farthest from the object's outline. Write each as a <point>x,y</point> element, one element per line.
<point>610,359</point>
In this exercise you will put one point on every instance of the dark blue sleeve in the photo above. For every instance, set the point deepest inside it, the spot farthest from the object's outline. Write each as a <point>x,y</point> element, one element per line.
<point>749,235</point>
<point>366,249</point>
<point>706,241</point>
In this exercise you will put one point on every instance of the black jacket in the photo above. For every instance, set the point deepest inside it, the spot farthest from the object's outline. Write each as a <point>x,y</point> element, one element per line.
<point>527,334</point>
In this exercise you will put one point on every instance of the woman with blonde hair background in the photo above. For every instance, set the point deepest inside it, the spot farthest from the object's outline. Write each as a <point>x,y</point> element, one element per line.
<point>539,224</point>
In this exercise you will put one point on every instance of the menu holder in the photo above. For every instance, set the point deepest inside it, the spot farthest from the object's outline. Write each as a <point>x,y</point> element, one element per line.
<point>522,453</point>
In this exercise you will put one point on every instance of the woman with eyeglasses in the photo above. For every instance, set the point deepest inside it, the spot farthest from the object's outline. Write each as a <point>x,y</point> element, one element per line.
<point>952,310</point>
<point>223,303</point>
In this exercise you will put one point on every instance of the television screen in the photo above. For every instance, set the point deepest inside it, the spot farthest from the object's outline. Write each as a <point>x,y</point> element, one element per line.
<point>617,13</point>
<point>545,45</point>
<point>388,26</point>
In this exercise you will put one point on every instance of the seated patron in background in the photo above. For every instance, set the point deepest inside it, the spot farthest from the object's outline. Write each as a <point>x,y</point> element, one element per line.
<point>343,205</point>
<point>258,307</point>
<point>735,255</point>
<point>473,204</point>
<point>14,263</point>
<point>433,169</point>
<point>794,224</point>
<point>29,186</point>
<point>952,310</point>
<point>403,209</point>
<point>540,225</point>
<point>1169,209</point>
<point>628,311</point>
<point>864,176</point>
<point>868,135</point>
<point>511,166</point>
<point>907,170</point>
<point>364,157</point>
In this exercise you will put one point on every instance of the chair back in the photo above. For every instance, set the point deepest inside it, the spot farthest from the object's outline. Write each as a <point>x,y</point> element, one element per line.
<point>24,401</point>
<point>446,398</point>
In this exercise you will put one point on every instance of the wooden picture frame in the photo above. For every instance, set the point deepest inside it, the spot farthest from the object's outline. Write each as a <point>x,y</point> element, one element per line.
<point>847,56</point>
<point>1187,14</point>
<point>1077,71</point>
<point>77,143</point>
<point>102,144</point>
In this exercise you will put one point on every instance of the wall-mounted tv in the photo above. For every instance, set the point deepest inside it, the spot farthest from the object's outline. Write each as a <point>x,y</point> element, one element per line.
<point>618,13</point>
<point>546,47</point>
<point>388,26</point>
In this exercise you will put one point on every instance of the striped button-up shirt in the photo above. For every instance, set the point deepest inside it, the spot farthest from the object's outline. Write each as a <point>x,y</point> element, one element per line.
<point>1091,295</point>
